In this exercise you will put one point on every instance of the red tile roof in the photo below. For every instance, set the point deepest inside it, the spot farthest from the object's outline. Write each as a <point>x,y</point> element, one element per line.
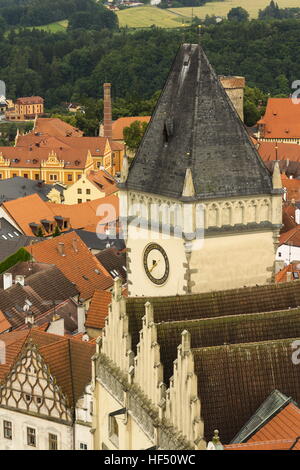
<point>283,444</point>
<point>291,237</point>
<point>69,360</point>
<point>119,124</point>
<point>292,187</point>
<point>30,100</point>
<point>98,310</point>
<point>282,276</point>
<point>32,209</point>
<point>23,157</point>
<point>271,151</point>
<point>103,181</point>
<point>285,425</point>
<point>4,323</point>
<point>282,119</point>
<point>78,264</point>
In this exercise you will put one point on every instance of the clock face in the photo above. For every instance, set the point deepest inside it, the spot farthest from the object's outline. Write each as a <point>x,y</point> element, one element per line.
<point>156,264</point>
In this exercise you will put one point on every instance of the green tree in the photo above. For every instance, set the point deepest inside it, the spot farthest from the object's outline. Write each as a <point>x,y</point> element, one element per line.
<point>134,134</point>
<point>238,14</point>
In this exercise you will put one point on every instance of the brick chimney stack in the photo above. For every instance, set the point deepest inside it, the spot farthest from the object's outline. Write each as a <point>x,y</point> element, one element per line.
<point>107,121</point>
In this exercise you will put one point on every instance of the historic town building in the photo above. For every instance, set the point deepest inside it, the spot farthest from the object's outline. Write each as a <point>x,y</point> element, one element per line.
<point>45,399</point>
<point>206,212</point>
<point>56,152</point>
<point>26,108</point>
<point>168,371</point>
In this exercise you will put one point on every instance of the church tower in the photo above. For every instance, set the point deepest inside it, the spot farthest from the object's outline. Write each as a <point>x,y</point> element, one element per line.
<point>202,211</point>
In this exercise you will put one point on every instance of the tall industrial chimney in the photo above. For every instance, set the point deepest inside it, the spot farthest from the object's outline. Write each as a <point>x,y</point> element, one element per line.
<point>107,116</point>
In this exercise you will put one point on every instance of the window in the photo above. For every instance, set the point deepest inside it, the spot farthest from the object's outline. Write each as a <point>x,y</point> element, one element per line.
<point>79,191</point>
<point>113,430</point>
<point>88,191</point>
<point>78,177</point>
<point>25,175</point>
<point>7,429</point>
<point>0,176</point>
<point>83,446</point>
<point>279,254</point>
<point>31,437</point>
<point>53,177</point>
<point>79,201</point>
<point>88,200</point>
<point>70,177</point>
<point>36,176</point>
<point>52,441</point>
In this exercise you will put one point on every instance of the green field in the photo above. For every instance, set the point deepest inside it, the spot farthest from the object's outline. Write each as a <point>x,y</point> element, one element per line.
<point>54,27</point>
<point>144,17</point>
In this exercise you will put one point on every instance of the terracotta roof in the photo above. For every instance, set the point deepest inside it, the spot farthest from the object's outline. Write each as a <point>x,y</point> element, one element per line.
<point>4,323</point>
<point>98,310</point>
<point>271,151</point>
<point>282,119</point>
<point>55,127</point>
<point>78,264</point>
<point>69,360</point>
<point>103,181</point>
<point>119,124</point>
<point>23,157</point>
<point>285,425</point>
<point>283,444</point>
<point>291,237</point>
<point>288,218</point>
<point>30,100</point>
<point>32,209</point>
<point>292,186</point>
<point>283,276</point>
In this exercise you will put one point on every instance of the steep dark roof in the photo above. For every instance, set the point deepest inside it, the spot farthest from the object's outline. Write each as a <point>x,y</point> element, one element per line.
<point>114,262</point>
<point>247,300</point>
<point>93,242</point>
<point>46,290</point>
<point>234,380</point>
<point>195,126</point>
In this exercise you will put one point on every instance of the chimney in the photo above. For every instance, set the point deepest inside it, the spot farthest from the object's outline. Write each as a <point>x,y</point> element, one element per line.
<point>81,318</point>
<point>57,326</point>
<point>74,244</point>
<point>7,280</point>
<point>20,279</point>
<point>29,319</point>
<point>107,115</point>
<point>61,249</point>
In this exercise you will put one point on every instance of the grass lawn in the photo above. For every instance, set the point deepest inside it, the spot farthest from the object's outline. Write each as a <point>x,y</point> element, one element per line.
<point>54,27</point>
<point>222,8</point>
<point>144,17</point>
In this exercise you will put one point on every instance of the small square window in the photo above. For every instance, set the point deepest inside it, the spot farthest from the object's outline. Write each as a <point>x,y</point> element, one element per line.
<point>7,429</point>
<point>31,437</point>
<point>79,191</point>
<point>88,191</point>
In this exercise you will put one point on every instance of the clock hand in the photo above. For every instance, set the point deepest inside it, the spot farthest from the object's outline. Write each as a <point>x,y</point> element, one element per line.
<point>154,266</point>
